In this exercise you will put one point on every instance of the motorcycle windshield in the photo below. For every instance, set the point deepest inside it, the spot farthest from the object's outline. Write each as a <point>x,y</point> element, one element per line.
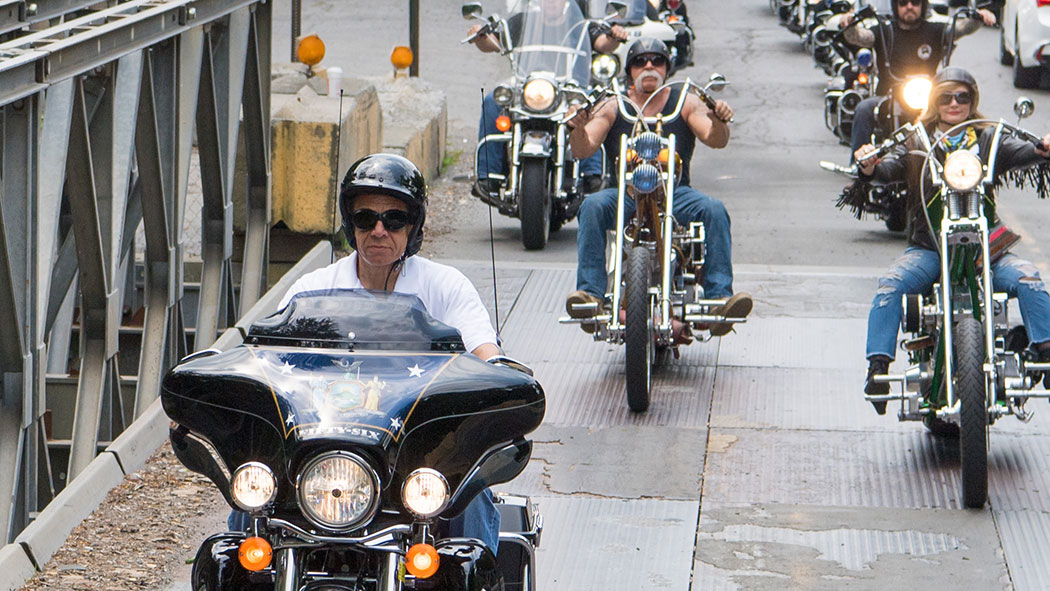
<point>356,319</point>
<point>633,17</point>
<point>550,36</point>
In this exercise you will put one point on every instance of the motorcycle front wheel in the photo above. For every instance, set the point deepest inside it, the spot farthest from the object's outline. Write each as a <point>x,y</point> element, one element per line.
<point>969,381</point>
<point>638,330</point>
<point>534,203</point>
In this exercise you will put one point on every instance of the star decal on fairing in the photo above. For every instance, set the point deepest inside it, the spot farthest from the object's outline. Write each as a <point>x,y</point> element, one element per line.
<point>395,423</point>
<point>415,371</point>
<point>290,419</point>
<point>287,368</point>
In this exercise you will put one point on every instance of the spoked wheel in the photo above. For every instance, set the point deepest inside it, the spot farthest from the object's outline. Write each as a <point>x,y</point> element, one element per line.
<point>970,386</point>
<point>638,330</point>
<point>534,203</point>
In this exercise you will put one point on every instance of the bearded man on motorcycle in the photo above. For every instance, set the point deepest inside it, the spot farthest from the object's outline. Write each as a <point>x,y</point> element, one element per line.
<point>383,203</point>
<point>909,45</point>
<point>648,62</point>
<point>493,156</point>
<point>953,100</point>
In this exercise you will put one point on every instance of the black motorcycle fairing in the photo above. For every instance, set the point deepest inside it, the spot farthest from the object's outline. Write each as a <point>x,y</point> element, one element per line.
<point>216,567</point>
<point>499,465</point>
<point>401,410</point>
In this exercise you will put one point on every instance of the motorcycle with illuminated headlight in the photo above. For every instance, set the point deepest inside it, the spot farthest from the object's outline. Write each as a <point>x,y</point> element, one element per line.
<point>656,262</point>
<point>543,185</point>
<point>350,427</point>
<point>966,371</point>
<point>668,25</point>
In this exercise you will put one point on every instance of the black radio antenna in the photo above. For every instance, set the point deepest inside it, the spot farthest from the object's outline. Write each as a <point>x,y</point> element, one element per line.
<point>492,239</point>
<point>338,181</point>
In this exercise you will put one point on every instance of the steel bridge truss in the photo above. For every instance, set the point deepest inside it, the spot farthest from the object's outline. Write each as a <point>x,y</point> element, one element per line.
<point>98,116</point>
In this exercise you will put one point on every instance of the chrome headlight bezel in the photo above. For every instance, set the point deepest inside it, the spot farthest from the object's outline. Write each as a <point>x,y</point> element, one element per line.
<point>539,95</point>
<point>646,178</point>
<point>963,170</point>
<point>432,477</point>
<point>503,95</point>
<point>245,489</point>
<point>361,516</point>
<point>604,67</point>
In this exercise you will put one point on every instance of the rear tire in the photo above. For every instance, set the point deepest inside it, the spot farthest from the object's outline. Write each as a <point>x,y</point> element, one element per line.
<point>970,384</point>
<point>638,329</point>
<point>1024,77</point>
<point>534,203</point>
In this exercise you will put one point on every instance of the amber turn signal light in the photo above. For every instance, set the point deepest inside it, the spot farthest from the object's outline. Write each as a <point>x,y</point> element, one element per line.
<point>255,553</point>
<point>503,123</point>
<point>422,561</point>
<point>401,57</point>
<point>862,78</point>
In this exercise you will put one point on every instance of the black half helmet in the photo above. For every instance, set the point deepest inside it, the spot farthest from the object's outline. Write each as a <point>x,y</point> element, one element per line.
<point>962,76</point>
<point>925,12</point>
<point>646,46</point>
<point>388,174</point>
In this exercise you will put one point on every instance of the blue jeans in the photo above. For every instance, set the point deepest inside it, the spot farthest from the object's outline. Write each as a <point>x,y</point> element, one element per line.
<point>863,123</point>
<point>598,215</point>
<point>479,520</point>
<point>492,158</point>
<point>918,269</point>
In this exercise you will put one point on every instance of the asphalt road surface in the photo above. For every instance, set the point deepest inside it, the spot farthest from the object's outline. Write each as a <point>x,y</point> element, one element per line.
<point>758,465</point>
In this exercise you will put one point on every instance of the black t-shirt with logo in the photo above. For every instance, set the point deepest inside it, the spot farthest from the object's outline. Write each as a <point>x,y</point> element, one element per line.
<point>911,52</point>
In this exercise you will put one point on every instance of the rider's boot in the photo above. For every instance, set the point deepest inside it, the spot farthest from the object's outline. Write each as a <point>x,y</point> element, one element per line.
<point>582,297</point>
<point>877,365</point>
<point>737,306</point>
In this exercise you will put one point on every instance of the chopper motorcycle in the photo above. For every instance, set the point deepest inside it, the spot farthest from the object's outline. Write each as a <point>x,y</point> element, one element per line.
<point>349,427</point>
<point>542,185</point>
<point>656,262</point>
<point>966,367</point>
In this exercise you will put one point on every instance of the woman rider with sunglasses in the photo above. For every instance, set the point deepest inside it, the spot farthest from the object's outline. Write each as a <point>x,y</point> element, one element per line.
<point>383,202</point>
<point>953,100</point>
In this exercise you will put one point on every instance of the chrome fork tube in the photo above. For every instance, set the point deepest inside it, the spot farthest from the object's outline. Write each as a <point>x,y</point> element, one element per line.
<point>946,302</point>
<point>287,570</point>
<point>559,162</point>
<point>614,320</point>
<point>388,575</point>
<point>665,290</point>
<point>515,151</point>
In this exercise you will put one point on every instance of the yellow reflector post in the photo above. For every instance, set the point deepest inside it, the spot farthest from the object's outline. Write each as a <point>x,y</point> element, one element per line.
<point>311,50</point>
<point>255,553</point>
<point>422,561</point>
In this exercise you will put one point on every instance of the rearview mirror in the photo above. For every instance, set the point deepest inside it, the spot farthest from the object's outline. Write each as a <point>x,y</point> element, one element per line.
<point>1024,107</point>
<point>472,10</point>
<point>716,83</point>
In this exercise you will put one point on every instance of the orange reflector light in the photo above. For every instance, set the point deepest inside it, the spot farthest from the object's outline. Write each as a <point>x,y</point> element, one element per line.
<point>401,57</point>
<point>503,123</point>
<point>422,560</point>
<point>862,78</point>
<point>631,155</point>
<point>255,554</point>
<point>311,50</point>
<point>663,156</point>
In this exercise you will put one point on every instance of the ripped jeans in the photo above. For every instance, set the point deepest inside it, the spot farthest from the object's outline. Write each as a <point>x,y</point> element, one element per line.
<point>918,269</point>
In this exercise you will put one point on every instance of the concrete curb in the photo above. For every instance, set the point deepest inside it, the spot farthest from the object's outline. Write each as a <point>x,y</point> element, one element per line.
<point>45,535</point>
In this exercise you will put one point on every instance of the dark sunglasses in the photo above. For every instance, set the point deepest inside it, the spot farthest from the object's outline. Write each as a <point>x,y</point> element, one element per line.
<point>393,219</point>
<point>657,60</point>
<point>907,2</point>
<point>963,98</point>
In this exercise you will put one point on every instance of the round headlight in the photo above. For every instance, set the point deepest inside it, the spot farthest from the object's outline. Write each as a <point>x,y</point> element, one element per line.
<point>917,92</point>
<point>865,58</point>
<point>604,67</point>
<point>647,145</point>
<point>503,95</point>
<point>646,178</point>
<point>253,486</point>
<point>963,170</point>
<point>338,491</point>
<point>425,492</point>
<point>538,94</point>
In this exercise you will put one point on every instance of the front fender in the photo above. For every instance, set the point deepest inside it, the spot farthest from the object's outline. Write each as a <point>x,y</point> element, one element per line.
<point>536,144</point>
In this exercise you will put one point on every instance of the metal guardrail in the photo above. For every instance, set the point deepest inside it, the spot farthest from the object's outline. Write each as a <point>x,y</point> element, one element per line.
<point>98,116</point>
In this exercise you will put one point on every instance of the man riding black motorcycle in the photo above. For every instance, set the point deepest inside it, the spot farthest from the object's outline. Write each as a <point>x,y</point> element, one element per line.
<point>648,62</point>
<point>953,101</point>
<point>493,156</point>
<point>383,203</point>
<point>908,45</point>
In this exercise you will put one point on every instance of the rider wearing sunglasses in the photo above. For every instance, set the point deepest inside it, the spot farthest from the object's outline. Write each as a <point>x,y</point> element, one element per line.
<point>908,45</point>
<point>954,100</point>
<point>648,61</point>
<point>383,203</point>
